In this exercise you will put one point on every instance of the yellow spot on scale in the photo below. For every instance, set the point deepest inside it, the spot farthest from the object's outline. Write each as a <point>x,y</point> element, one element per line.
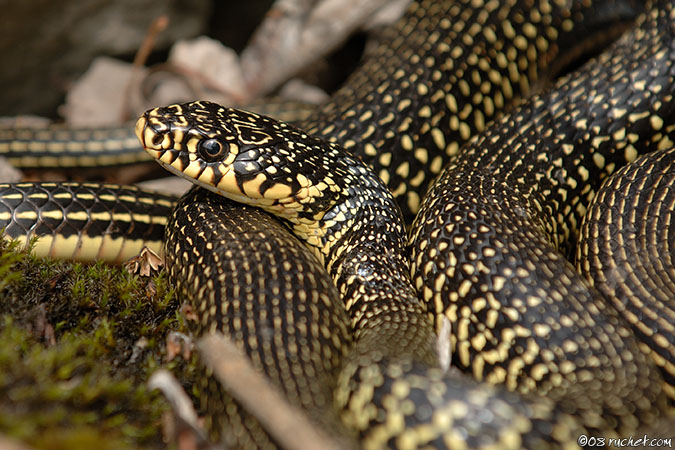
<point>464,288</point>
<point>598,160</point>
<point>369,149</point>
<point>451,102</point>
<point>404,169</point>
<point>421,154</point>
<point>436,164</point>
<point>403,104</point>
<point>599,140</point>
<point>438,137</point>
<point>417,179</point>
<point>630,153</point>
<point>634,117</point>
<point>464,130</point>
<point>414,199</point>
<point>538,371</point>
<point>656,122</point>
<point>498,283</point>
<point>406,142</point>
<point>366,116</point>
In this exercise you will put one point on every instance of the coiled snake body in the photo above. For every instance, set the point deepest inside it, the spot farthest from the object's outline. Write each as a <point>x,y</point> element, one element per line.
<point>531,176</point>
<point>524,319</point>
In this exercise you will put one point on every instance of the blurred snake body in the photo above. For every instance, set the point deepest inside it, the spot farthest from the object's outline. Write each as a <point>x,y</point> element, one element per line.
<point>486,244</point>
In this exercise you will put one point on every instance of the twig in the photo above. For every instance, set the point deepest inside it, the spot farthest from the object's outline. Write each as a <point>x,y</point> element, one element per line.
<point>176,396</point>
<point>157,26</point>
<point>443,344</point>
<point>285,423</point>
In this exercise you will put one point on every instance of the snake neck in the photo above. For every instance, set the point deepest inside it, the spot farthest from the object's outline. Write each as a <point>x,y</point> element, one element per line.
<point>360,237</point>
<point>361,241</point>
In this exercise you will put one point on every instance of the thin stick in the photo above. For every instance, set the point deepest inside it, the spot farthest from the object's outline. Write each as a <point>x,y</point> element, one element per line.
<point>157,26</point>
<point>285,423</point>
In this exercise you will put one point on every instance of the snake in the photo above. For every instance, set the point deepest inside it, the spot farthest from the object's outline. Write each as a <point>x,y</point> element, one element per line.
<point>436,77</point>
<point>226,151</point>
<point>84,221</point>
<point>290,323</point>
<point>519,64</point>
<point>607,251</point>
<point>530,176</point>
<point>56,146</point>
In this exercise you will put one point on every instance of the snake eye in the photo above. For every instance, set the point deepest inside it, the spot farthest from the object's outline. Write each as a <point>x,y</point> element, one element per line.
<point>211,149</point>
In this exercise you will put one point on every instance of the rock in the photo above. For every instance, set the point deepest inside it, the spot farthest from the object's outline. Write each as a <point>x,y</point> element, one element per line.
<point>168,185</point>
<point>214,65</point>
<point>9,174</point>
<point>102,95</point>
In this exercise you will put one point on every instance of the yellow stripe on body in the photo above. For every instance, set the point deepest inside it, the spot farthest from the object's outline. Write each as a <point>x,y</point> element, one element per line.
<point>26,215</point>
<point>34,196</point>
<point>80,216</point>
<point>88,248</point>
<point>55,214</point>
<point>13,196</point>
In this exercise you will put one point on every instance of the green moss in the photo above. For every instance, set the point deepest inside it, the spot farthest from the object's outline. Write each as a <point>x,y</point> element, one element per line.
<point>78,343</point>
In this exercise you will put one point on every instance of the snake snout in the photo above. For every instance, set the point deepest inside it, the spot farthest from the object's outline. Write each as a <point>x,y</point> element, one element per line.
<point>153,133</point>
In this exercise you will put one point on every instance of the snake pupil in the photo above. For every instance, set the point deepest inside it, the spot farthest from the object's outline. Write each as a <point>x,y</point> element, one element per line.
<point>211,149</point>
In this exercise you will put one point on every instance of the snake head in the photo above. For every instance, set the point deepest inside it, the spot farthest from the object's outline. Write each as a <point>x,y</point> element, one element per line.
<point>244,156</point>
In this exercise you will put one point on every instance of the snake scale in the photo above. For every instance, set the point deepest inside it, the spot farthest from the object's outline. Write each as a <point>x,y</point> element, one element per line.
<point>360,239</point>
<point>291,323</point>
<point>514,195</point>
<point>608,250</point>
<point>544,161</point>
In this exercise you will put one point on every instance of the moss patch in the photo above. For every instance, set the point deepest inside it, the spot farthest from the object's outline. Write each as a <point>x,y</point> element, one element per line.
<point>77,344</point>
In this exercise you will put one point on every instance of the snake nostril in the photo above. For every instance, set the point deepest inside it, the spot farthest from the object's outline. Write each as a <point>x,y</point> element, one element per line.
<point>157,139</point>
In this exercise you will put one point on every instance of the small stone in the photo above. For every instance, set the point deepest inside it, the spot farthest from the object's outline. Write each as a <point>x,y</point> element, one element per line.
<point>100,96</point>
<point>216,64</point>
